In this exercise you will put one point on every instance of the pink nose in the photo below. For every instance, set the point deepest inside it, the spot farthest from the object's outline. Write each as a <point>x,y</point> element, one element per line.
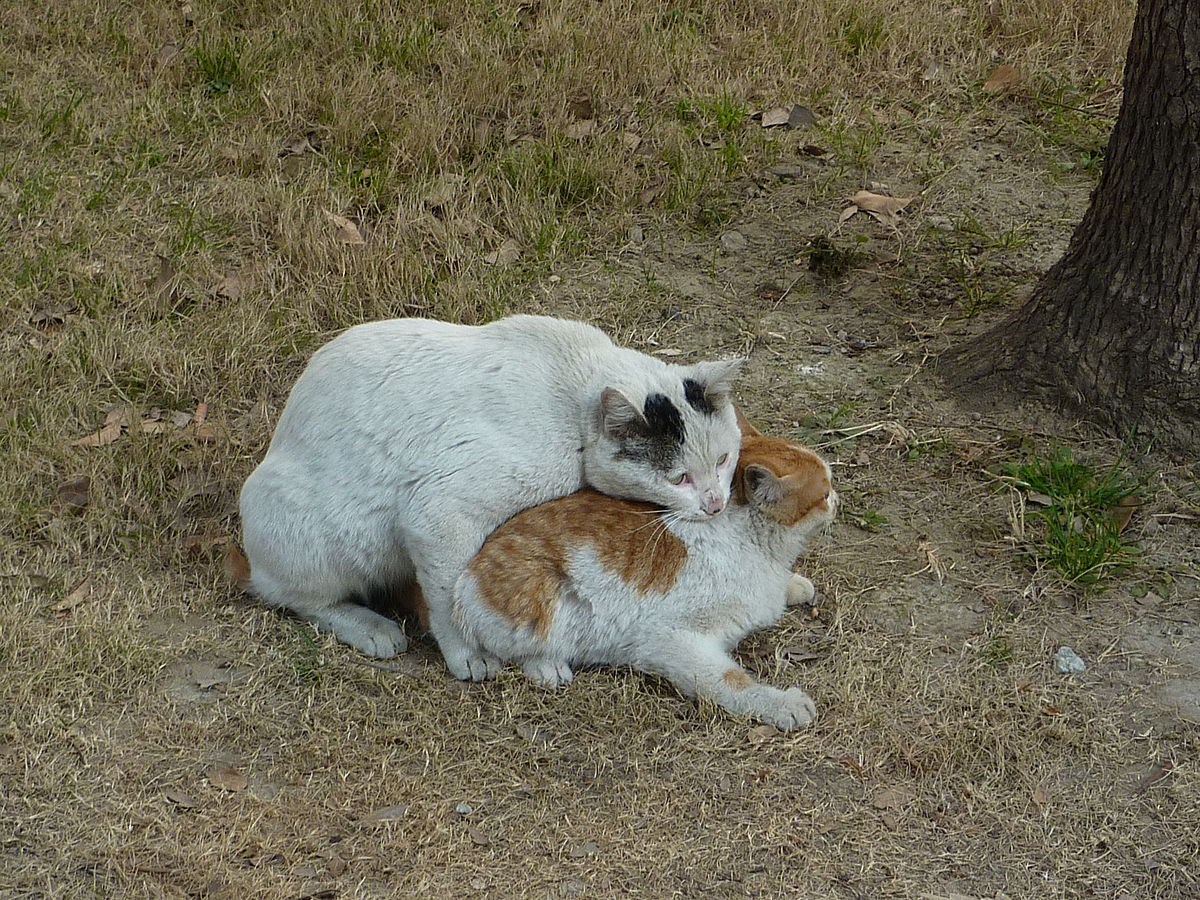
<point>713,503</point>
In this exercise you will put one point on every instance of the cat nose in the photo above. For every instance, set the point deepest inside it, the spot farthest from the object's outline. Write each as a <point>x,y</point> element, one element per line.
<point>713,503</point>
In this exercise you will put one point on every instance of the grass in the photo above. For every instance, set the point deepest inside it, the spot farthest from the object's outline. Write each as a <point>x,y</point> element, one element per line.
<point>1080,538</point>
<point>218,137</point>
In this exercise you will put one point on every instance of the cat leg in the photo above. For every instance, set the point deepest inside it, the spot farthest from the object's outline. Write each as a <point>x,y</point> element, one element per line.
<point>466,659</point>
<point>699,666</point>
<point>800,590</point>
<point>363,629</point>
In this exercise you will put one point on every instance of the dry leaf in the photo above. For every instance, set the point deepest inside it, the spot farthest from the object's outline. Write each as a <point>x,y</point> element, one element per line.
<point>893,798</point>
<point>1002,78</point>
<point>579,130</point>
<point>48,316</point>
<point>164,283</point>
<point>1040,797</point>
<point>1155,775</point>
<point>587,848</point>
<point>346,231</point>
<point>1121,514</point>
<point>74,493</point>
<point>78,595</point>
<point>116,420</point>
<point>1037,498</point>
<point>668,351</point>
<point>179,798</point>
<point>478,837</point>
<point>167,54</point>
<point>581,108</point>
<point>386,814</point>
<point>230,286</point>
<point>507,254</point>
<point>631,141</point>
<point>773,118</point>
<point>761,733</point>
<point>885,209</point>
<point>227,778</point>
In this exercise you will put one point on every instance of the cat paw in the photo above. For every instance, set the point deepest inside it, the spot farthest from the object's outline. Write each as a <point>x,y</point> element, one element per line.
<point>549,673</point>
<point>473,666</point>
<point>367,632</point>
<point>794,709</point>
<point>800,590</point>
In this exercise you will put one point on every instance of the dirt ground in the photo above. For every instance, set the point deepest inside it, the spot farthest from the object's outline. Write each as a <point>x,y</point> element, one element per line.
<point>215,749</point>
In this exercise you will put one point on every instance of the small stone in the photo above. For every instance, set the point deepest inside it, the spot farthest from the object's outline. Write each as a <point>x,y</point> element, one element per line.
<point>786,170</point>
<point>1068,662</point>
<point>734,242</point>
<point>636,234</point>
<point>464,808</point>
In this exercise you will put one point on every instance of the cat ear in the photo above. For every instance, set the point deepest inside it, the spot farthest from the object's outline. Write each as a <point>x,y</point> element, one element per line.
<point>619,417</point>
<point>716,377</point>
<point>762,485</point>
<point>744,425</point>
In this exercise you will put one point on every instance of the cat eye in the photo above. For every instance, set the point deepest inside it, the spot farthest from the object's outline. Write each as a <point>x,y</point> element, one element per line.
<point>722,459</point>
<point>681,478</point>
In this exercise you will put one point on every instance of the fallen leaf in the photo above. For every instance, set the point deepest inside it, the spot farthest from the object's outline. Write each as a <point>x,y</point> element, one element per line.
<point>336,866</point>
<point>165,283</point>
<point>587,848</point>
<point>889,820</point>
<point>505,255</point>
<point>1003,78</point>
<point>1037,498</point>
<point>1040,797</point>
<point>74,493</point>
<point>1121,514</point>
<point>883,208</point>
<point>648,195</point>
<point>230,286</point>
<point>202,544</point>
<point>227,778</point>
<point>773,118</point>
<point>631,141</point>
<point>893,798</point>
<point>1155,775</point>
<point>478,837</point>
<point>78,595</point>
<point>668,351</point>
<point>581,108</point>
<point>47,316</point>
<point>116,420</point>
<point>179,798</point>
<point>444,191</point>
<point>345,230</point>
<point>761,733</point>
<point>385,814</point>
<point>167,54</point>
<point>577,131</point>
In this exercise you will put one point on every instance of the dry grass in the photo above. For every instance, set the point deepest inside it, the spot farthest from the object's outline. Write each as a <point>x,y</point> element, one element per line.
<point>164,179</point>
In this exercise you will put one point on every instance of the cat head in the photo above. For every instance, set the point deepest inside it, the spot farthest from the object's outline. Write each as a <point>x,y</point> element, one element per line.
<point>674,444</point>
<point>788,483</point>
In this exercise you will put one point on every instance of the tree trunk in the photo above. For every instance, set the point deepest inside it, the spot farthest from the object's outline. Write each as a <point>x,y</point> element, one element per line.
<point>1113,328</point>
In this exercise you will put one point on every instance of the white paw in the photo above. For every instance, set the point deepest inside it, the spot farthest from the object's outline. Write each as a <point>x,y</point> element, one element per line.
<point>369,633</point>
<point>473,666</point>
<point>548,673</point>
<point>793,709</point>
<point>800,590</point>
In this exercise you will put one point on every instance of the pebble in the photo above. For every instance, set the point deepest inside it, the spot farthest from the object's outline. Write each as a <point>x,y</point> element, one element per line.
<point>734,242</point>
<point>464,809</point>
<point>1068,662</point>
<point>636,234</point>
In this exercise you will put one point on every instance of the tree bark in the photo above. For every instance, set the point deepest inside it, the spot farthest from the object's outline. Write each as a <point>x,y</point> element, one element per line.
<point>1113,328</point>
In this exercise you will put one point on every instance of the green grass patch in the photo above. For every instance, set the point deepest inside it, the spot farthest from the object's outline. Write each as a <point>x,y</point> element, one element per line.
<point>1079,536</point>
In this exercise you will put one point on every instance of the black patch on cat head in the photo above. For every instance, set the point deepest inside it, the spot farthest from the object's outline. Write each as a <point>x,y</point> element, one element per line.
<point>657,441</point>
<point>694,393</point>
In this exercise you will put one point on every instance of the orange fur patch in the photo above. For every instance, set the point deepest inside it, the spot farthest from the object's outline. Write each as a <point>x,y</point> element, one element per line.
<point>237,567</point>
<point>411,601</point>
<point>737,679</point>
<point>804,474</point>
<point>522,566</point>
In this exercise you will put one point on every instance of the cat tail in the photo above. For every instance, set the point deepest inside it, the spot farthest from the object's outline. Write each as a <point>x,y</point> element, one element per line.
<point>237,567</point>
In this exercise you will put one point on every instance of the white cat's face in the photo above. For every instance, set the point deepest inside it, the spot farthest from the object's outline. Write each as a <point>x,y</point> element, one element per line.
<point>677,449</point>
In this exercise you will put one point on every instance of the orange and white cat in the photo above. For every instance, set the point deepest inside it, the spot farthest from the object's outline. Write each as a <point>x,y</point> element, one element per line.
<point>590,579</point>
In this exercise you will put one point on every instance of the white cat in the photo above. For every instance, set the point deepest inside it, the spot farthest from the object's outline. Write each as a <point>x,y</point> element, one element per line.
<point>590,579</point>
<point>404,443</point>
